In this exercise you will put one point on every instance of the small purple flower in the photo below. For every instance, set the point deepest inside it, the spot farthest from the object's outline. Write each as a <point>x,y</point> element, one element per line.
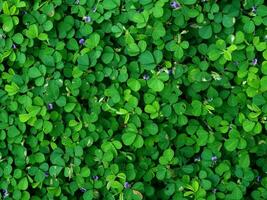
<point>83,190</point>
<point>127,185</point>
<point>214,158</point>
<point>146,77</point>
<point>5,193</point>
<point>81,41</point>
<point>95,178</point>
<point>170,72</point>
<point>254,61</point>
<point>50,106</point>
<point>197,159</point>
<point>175,5</point>
<point>259,178</point>
<point>254,9</point>
<point>46,174</point>
<point>236,63</point>
<point>87,19</point>
<point>14,46</point>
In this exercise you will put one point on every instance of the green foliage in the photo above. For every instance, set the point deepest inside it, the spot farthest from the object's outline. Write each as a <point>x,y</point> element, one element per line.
<point>133,100</point>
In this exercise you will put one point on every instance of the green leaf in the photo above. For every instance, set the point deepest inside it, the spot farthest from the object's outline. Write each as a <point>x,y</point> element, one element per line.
<point>13,131</point>
<point>169,154</point>
<point>158,30</point>
<point>195,185</point>
<point>88,195</point>
<point>249,27</point>
<point>151,129</point>
<point>43,36</point>
<point>85,172</point>
<point>203,137</point>
<point>23,184</point>
<point>147,60</point>
<point>248,125</point>
<point>39,157</point>
<point>231,144</point>
<point>227,55</point>
<point>18,38</point>
<point>205,32</point>
<point>196,107</point>
<point>111,4</point>
<point>48,60</point>
<point>228,21</point>
<point>179,53</point>
<point>155,84</point>
<point>179,108</point>
<point>128,138</point>
<point>83,60</point>
<point>157,11</point>
<point>134,84</point>
<point>53,90</point>
<point>93,41</point>
<point>48,25</point>
<point>139,141</point>
<point>24,117</point>
<point>263,84</point>
<point>8,23</point>
<point>12,89</point>
<point>243,160</point>
<point>188,2</point>
<point>32,32</point>
<point>262,10</point>
<point>72,44</point>
<point>108,55</point>
<point>34,72</point>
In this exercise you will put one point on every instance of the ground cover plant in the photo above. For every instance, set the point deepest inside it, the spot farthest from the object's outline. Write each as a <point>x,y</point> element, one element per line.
<point>133,99</point>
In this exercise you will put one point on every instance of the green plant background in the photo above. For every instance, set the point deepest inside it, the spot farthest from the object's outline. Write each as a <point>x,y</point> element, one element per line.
<point>133,99</point>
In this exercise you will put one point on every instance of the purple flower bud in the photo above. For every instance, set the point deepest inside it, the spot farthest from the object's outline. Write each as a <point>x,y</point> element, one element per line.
<point>127,185</point>
<point>259,178</point>
<point>214,158</point>
<point>254,61</point>
<point>175,5</point>
<point>236,63</point>
<point>95,178</point>
<point>81,41</point>
<point>46,174</point>
<point>170,72</point>
<point>197,159</point>
<point>146,77</point>
<point>5,193</point>
<point>87,19</point>
<point>14,46</point>
<point>254,9</point>
<point>82,190</point>
<point>50,106</point>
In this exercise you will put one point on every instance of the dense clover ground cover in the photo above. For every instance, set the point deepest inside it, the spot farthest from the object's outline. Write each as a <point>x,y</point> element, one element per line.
<point>133,99</point>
